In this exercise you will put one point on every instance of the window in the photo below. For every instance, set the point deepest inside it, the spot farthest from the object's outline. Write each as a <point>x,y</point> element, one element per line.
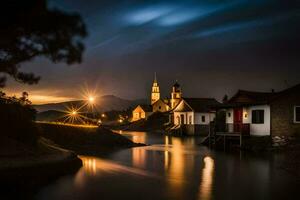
<point>159,107</point>
<point>203,118</point>
<point>297,114</point>
<point>258,116</point>
<point>229,114</point>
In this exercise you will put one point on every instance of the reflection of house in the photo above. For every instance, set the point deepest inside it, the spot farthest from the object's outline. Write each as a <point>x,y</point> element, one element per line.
<point>141,112</point>
<point>261,114</point>
<point>194,115</point>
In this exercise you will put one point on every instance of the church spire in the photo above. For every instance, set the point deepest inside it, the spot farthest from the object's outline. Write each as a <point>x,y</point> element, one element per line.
<point>155,95</point>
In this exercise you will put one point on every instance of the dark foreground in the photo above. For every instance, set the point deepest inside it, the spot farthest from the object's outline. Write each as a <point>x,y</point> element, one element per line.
<point>25,168</point>
<point>176,168</point>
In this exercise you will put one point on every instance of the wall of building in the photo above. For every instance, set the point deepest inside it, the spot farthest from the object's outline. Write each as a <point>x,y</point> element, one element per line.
<point>258,129</point>
<point>255,129</point>
<point>177,118</point>
<point>282,111</point>
<point>229,119</point>
<point>160,106</point>
<point>138,113</point>
<point>229,116</point>
<point>196,118</point>
<point>209,117</point>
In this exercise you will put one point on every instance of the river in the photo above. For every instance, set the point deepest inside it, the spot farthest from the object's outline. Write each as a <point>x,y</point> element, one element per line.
<point>174,168</point>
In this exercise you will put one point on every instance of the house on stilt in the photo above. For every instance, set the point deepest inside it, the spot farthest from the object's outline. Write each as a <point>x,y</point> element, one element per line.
<point>264,114</point>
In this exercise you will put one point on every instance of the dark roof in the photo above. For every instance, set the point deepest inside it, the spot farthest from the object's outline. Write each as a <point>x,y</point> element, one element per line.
<point>146,108</point>
<point>247,98</point>
<point>243,96</point>
<point>201,104</point>
<point>160,100</point>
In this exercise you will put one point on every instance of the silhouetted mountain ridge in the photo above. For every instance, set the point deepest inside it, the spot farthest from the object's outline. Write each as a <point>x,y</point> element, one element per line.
<point>102,104</point>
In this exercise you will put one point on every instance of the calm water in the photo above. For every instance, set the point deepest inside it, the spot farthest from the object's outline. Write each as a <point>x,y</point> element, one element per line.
<point>174,168</point>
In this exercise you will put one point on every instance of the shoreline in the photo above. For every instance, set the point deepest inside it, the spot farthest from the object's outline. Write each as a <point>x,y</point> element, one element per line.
<point>27,169</point>
<point>22,177</point>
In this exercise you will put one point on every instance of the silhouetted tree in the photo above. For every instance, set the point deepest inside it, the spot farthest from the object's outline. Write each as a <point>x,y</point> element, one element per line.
<point>17,119</point>
<point>29,29</point>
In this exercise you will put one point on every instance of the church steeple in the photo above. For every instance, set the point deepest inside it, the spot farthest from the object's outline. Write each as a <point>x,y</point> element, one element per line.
<point>155,94</point>
<point>176,95</point>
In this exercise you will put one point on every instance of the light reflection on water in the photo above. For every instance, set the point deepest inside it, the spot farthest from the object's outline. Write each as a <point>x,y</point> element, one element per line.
<point>171,168</point>
<point>207,178</point>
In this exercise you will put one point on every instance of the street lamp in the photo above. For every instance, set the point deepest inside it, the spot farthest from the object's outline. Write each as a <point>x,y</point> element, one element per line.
<point>91,99</point>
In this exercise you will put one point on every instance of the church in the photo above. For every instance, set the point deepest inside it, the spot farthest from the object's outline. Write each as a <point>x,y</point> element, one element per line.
<point>158,104</point>
<point>190,116</point>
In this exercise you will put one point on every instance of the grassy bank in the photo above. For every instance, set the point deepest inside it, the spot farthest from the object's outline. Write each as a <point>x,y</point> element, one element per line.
<point>85,140</point>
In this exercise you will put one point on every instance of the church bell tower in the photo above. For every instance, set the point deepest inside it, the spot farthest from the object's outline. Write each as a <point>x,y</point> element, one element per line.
<point>155,94</point>
<point>176,95</point>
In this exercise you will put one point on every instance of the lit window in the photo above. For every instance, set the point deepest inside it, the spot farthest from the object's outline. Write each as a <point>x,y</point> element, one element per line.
<point>297,114</point>
<point>258,116</point>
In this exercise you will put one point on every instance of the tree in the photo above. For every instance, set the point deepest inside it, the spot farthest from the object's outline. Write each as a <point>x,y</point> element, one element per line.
<point>29,29</point>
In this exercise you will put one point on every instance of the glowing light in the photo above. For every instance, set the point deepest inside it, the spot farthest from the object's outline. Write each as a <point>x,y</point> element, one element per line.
<point>103,115</point>
<point>73,115</point>
<point>121,120</point>
<point>91,99</point>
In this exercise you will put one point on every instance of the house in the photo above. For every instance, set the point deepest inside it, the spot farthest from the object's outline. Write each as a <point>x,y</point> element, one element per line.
<point>141,112</point>
<point>194,115</point>
<point>264,114</point>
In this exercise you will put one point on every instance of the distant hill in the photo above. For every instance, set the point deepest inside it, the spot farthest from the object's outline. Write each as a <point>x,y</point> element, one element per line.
<point>50,115</point>
<point>103,104</point>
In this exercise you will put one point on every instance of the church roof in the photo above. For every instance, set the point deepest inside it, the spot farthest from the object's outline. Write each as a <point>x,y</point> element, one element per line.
<point>197,104</point>
<point>165,101</point>
<point>146,108</point>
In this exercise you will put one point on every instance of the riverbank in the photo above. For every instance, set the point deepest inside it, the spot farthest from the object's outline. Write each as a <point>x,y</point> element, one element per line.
<point>24,168</point>
<point>85,140</point>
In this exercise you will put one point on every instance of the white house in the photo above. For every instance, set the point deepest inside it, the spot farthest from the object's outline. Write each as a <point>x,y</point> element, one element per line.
<point>194,115</point>
<point>264,113</point>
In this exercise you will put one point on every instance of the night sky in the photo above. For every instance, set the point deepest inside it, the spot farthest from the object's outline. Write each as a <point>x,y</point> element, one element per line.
<point>211,47</point>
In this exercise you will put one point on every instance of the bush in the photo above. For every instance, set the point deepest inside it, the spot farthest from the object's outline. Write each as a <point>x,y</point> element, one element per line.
<point>17,119</point>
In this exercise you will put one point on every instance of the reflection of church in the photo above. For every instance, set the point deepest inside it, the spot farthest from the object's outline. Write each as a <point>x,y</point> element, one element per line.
<point>158,104</point>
